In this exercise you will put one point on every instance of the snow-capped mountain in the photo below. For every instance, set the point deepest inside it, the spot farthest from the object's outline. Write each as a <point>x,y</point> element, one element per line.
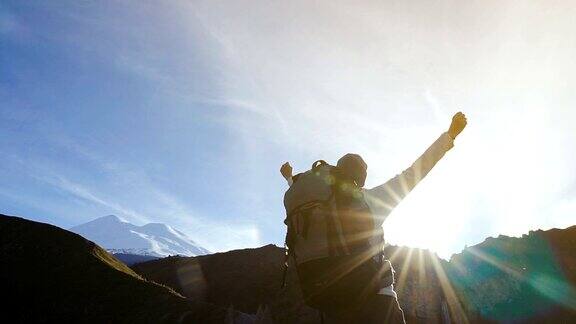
<point>154,239</point>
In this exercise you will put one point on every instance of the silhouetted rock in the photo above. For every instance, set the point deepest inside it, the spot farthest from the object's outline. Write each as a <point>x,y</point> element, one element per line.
<point>245,279</point>
<point>50,275</point>
<point>527,279</point>
<point>131,259</point>
<point>475,286</point>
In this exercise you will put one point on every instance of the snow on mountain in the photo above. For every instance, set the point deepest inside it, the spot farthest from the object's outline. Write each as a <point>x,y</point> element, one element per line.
<point>154,239</point>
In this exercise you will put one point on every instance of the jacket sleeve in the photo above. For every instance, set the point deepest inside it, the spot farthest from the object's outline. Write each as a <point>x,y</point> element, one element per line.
<point>382,199</point>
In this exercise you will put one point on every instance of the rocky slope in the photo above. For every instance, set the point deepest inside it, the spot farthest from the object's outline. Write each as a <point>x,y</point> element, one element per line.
<point>531,278</point>
<point>526,280</point>
<point>246,279</point>
<point>250,279</point>
<point>50,275</point>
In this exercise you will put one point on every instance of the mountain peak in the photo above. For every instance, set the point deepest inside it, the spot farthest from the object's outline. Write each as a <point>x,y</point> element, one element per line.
<point>110,217</point>
<point>103,223</point>
<point>153,239</point>
<point>156,226</point>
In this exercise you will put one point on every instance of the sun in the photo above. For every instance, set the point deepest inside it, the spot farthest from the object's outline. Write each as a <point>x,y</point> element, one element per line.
<point>428,219</point>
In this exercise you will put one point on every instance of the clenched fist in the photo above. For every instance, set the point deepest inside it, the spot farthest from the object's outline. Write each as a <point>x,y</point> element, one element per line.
<point>286,170</point>
<point>457,125</point>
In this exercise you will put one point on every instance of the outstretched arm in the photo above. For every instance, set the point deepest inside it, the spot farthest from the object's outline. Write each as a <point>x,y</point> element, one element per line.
<point>286,171</point>
<point>382,199</point>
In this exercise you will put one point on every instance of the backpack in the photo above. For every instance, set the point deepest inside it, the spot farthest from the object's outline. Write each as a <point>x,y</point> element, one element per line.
<point>329,227</point>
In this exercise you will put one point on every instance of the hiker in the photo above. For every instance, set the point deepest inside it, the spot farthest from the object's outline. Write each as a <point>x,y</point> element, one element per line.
<point>335,235</point>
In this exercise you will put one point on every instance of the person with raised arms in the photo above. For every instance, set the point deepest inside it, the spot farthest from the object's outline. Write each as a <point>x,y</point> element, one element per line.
<point>335,236</point>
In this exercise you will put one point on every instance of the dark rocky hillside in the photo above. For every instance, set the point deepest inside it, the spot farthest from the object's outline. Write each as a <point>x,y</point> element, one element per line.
<point>518,280</point>
<point>526,279</point>
<point>246,279</point>
<point>50,275</point>
<point>130,259</point>
<point>250,279</point>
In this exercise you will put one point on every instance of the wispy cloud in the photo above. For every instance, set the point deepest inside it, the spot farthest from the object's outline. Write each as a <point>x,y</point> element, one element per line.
<point>87,194</point>
<point>127,191</point>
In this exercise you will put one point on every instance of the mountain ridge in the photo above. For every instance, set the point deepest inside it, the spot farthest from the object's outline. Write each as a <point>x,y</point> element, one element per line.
<point>50,275</point>
<point>476,285</point>
<point>152,239</point>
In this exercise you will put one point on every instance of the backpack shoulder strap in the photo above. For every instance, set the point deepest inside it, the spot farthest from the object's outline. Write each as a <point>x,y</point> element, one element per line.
<point>334,221</point>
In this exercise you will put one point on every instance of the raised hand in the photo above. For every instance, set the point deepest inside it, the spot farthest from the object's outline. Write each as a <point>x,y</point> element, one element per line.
<point>458,123</point>
<point>286,170</point>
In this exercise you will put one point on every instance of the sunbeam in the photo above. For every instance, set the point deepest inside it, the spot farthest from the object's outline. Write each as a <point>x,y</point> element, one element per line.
<point>454,304</point>
<point>549,283</point>
<point>404,271</point>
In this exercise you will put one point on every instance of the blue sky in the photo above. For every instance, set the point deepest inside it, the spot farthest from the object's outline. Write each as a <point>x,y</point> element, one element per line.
<point>181,112</point>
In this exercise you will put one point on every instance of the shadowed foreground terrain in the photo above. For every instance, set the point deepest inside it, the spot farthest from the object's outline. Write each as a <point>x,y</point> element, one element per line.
<point>50,275</point>
<point>531,279</point>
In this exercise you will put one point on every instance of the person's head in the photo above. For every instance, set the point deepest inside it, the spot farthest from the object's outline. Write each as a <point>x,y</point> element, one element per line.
<point>354,166</point>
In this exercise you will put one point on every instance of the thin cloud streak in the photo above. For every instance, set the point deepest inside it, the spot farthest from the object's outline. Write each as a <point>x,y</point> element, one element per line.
<point>150,203</point>
<point>85,193</point>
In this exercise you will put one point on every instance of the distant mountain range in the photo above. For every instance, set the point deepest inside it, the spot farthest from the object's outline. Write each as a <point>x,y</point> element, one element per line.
<point>149,241</point>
